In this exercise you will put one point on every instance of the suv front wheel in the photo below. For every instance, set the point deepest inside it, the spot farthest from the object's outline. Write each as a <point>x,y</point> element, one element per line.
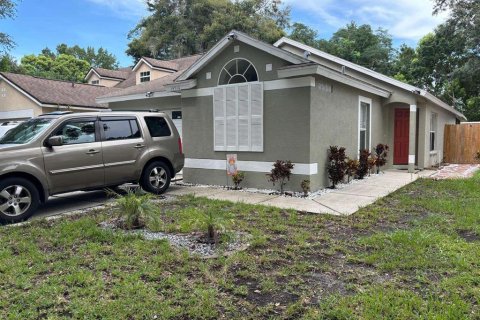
<point>19,198</point>
<point>156,177</point>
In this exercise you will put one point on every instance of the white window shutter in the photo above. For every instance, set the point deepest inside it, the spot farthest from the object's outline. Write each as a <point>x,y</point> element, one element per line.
<point>256,120</point>
<point>219,119</point>
<point>238,117</point>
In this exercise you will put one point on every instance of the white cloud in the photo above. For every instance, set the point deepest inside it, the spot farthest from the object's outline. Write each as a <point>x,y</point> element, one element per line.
<point>404,19</point>
<point>125,8</point>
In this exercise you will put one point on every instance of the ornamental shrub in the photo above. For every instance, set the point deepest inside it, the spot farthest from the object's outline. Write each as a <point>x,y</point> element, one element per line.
<point>336,164</point>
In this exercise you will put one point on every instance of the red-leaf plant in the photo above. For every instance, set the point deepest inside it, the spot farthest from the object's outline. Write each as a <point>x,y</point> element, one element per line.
<point>381,151</point>
<point>280,173</point>
<point>363,163</point>
<point>336,165</point>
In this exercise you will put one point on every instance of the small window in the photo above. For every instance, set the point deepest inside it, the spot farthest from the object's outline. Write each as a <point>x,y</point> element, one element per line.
<point>145,76</point>
<point>95,82</point>
<point>364,125</point>
<point>76,132</point>
<point>120,129</point>
<point>433,132</point>
<point>158,127</point>
<point>176,115</point>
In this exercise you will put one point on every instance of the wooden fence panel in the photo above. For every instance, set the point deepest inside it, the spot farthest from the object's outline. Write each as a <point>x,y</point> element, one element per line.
<point>461,143</point>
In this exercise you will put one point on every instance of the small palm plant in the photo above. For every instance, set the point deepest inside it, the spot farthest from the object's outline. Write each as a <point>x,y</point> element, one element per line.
<point>135,208</point>
<point>213,221</point>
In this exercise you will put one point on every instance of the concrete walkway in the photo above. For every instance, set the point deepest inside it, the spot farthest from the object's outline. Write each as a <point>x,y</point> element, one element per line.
<point>343,201</point>
<point>456,171</point>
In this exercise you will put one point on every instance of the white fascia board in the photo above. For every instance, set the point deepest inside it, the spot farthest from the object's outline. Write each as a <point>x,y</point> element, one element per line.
<point>346,63</point>
<point>222,44</point>
<point>151,67</point>
<point>331,74</point>
<point>181,85</point>
<point>441,104</point>
<point>135,67</point>
<point>101,77</point>
<point>370,73</point>
<point>92,70</point>
<point>137,96</point>
<point>21,90</point>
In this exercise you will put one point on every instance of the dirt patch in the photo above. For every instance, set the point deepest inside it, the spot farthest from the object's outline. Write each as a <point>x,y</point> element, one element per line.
<point>468,235</point>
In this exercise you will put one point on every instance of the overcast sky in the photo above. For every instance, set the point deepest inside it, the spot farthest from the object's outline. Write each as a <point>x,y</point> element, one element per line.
<point>46,23</point>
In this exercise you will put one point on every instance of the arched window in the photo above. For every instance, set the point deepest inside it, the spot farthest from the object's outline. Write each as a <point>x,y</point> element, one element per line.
<point>237,71</point>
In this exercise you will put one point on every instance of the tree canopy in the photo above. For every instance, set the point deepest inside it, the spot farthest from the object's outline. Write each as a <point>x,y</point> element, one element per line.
<point>7,10</point>
<point>177,28</point>
<point>60,67</point>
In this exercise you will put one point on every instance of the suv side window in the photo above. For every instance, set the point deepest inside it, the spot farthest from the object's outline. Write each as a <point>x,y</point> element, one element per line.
<point>121,129</point>
<point>77,131</point>
<point>158,127</point>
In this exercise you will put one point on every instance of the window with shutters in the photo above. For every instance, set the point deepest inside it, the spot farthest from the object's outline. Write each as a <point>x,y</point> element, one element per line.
<point>238,117</point>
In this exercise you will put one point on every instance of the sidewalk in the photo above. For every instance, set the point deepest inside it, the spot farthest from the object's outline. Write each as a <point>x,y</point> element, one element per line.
<point>337,202</point>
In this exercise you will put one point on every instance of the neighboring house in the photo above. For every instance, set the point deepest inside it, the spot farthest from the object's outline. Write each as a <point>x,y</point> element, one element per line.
<point>120,78</point>
<point>23,97</point>
<point>287,101</point>
<point>150,91</point>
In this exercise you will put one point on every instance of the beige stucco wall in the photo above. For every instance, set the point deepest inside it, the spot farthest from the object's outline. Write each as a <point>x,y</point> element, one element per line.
<point>154,74</point>
<point>102,82</point>
<point>13,100</point>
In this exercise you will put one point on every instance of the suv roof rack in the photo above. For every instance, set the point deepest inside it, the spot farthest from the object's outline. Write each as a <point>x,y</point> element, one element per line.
<point>56,113</point>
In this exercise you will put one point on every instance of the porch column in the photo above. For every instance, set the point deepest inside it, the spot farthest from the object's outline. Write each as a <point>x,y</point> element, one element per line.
<point>412,138</point>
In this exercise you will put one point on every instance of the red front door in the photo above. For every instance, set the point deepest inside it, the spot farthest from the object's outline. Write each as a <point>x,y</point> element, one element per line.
<point>401,137</point>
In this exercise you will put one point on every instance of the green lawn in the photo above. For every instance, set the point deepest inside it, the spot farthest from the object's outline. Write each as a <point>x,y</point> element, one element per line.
<point>413,255</point>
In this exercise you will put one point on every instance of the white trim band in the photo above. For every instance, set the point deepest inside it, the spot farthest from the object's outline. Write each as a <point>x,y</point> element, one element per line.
<point>248,166</point>
<point>411,159</point>
<point>267,86</point>
<point>413,108</point>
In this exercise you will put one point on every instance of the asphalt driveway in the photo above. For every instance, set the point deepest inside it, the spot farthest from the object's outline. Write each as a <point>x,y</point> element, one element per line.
<point>68,202</point>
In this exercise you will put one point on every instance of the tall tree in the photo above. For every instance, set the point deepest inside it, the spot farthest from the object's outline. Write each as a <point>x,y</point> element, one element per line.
<point>96,58</point>
<point>304,34</point>
<point>363,46</point>
<point>8,64</point>
<point>177,28</point>
<point>7,10</point>
<point>61,67</point>
<point>462,82</point>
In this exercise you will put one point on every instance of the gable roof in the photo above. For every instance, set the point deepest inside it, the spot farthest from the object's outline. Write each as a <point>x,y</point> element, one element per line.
<point>370,73</point>
<point>120,74</point>
<point>56,92</point>
<point>242,37</point>
<point>172,65</point>
<point>157,85</point>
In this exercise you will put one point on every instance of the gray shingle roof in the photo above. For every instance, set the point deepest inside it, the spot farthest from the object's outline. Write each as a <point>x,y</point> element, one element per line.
<point>121,74</point>
<point>57,92</point>
<point>156,85</point>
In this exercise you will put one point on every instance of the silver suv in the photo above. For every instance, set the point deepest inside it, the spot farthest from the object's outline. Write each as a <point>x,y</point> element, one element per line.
<point>63,151</point>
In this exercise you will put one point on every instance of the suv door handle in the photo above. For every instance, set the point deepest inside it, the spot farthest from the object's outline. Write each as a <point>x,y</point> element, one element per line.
<point>93,151</point>
<point>139,146</point>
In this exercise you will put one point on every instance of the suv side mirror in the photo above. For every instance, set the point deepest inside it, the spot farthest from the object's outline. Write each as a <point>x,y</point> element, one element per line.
<point>55,141</point>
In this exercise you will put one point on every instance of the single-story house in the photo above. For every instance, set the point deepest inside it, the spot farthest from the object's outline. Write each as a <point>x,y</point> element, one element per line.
<point>287,101</point>
<point>23,97</point>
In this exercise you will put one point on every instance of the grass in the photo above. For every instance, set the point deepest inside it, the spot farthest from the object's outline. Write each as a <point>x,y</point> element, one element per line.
<point>412,255</point>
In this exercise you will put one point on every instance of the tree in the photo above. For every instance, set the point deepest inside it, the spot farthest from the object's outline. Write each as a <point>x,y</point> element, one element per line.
<point>8,64</point>
<point>62,67</point>
<point>363,46</point>
<point>177,28</point>
<point>96,58</point>
<point>462,84</point>
<point>7,10</point>
<point>304,34</point>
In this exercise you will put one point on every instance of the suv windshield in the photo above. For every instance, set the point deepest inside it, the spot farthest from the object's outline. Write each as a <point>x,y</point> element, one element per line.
<point>26,131</point>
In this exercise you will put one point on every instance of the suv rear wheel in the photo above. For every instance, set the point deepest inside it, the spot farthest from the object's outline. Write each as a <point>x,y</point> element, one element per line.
<point>19,198</point>
<point>156,177</point>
